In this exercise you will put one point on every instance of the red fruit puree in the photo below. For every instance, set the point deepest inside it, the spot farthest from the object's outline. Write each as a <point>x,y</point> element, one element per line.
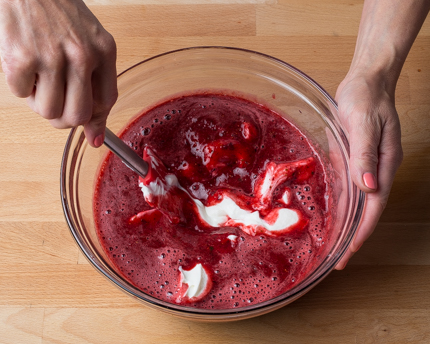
<point>234,191</point>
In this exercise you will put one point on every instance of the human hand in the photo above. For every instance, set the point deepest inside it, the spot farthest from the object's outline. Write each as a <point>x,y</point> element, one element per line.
<point>56,54</point>
<point>367,111</point>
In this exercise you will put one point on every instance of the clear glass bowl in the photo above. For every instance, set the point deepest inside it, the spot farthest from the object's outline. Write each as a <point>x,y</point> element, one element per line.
<point>244,73</point>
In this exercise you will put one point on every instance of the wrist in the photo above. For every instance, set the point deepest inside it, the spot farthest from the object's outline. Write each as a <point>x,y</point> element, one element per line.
<point>381,69</point>
<point>387,31</point>
<point>379,55</point>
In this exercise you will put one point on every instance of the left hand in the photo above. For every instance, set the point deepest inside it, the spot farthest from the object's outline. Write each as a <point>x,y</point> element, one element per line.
<point>368,113</point>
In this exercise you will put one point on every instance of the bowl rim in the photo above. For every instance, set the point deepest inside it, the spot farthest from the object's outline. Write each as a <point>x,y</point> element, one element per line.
<point>271,304</point>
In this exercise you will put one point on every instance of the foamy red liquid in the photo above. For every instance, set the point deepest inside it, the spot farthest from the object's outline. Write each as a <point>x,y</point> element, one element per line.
<point>203,139</point>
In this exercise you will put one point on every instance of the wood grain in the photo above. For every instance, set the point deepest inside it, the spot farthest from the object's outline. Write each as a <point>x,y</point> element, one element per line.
<point>175,20</point>
<point>49,293</point>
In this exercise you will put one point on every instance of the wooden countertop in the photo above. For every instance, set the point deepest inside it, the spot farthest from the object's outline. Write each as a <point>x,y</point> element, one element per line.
<point>50,294</point>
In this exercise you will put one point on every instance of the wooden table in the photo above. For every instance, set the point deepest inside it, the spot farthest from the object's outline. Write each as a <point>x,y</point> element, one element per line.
<point>50,294</point>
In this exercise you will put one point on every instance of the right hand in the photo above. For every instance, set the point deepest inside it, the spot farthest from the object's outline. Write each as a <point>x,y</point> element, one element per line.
<point>56,54</point>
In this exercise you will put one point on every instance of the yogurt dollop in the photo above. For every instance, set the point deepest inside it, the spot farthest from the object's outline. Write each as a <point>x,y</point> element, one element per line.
<point>196,283</point>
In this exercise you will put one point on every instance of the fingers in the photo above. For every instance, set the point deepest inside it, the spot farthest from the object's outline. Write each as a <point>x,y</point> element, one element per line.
<point>390,157</point>
<point>19,68</point>
<point>63,96</point>
<point>77,108</point>
<point>77,100</point>
<point>81,95</point>
<point>372,211</point>
<point>20,77</point>
<point>345,259</point>
<point>47,99</point>
<point>375,204</point>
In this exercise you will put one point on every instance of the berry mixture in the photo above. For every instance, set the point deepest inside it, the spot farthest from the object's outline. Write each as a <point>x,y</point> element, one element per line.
<point>235,209</point>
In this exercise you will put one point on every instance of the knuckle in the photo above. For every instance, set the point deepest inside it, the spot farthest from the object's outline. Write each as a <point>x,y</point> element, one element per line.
<point>105,102</point>
<point>50,53</point>
<point>48,112</point>
<point>107,44</point>
<point>53,62</point>
<point>58,123</point>
<point>111,100</point>
<point>85,54</point>
<point>20,60</point>
<point>370,125</point>
<point>19,75</point>
<point>78,118</point>
<point>366,156</point>
<point>18,90</point>
<point>74,122</point>
<point>80,56</point>
<point>21,66</point>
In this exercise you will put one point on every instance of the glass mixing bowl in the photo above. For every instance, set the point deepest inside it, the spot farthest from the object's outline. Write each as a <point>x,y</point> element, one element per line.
<point>251,75</point>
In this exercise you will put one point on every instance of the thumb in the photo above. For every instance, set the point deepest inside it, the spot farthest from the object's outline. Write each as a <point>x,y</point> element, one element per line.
<point>365,137</point>
<point>95,130</point>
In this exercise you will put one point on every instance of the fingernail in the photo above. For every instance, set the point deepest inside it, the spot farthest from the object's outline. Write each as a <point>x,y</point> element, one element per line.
<point>369,180</point>
<point>98,141</point>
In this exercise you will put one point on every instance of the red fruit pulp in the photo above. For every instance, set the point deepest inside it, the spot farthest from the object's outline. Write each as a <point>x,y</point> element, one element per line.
<point>216,144</point>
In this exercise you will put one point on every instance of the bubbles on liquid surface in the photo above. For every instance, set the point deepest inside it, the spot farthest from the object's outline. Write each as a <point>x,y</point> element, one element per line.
<point>257,286</point>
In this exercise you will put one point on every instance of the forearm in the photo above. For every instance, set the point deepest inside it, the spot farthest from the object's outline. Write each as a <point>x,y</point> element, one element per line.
<point>387,31</point>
